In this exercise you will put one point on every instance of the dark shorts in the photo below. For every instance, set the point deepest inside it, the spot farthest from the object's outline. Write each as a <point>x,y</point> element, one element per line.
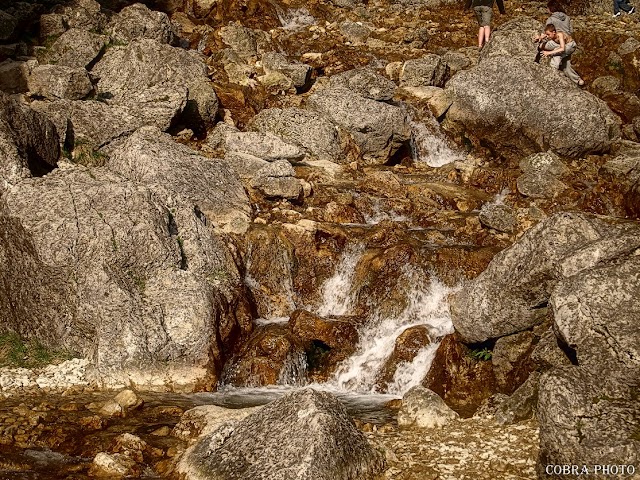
<point>484,15</point>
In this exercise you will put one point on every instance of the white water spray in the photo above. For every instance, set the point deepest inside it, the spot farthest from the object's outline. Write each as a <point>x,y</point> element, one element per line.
<point>295,18</point>
<point>429,144</point>
<point>337,295</point>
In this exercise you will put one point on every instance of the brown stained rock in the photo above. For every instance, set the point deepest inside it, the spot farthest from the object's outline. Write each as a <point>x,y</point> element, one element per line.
<point>408,344</point>
<point>462,381</point>
<point>92,422</point>
<point>449,195</point>
<point>264,359</point>
<point>337,213</point>
<point>511,360</point>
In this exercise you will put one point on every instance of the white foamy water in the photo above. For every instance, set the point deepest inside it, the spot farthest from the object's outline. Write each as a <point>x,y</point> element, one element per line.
<point>294,371</point>
<point>295,18</point>
<point>429,144</point>
<point>337,296</point>
<point>378,215</point>
<point>426,305</point>
<point>270,321</point>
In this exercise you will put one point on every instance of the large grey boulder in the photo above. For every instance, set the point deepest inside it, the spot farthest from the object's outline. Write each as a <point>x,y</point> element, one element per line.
<point>127,72</point>
<point>28,142</point>
<point>302,436</point>
<point>82,14</point>
<point>76,48</point>
<point>378,128</point>
<point>116,250</point>
<point>308,130</point>
<point>513,39</point>
<point>366,83</point>
<point>522,404</point>
<point>265,146</point>
<point>505,102</point>
<point>423,408</point>
<point>512,294</point>
<point>589,418</point>
<point>58,81</point>
<point>152,158</point>
<point>137,21</point>
<point>429,70</point>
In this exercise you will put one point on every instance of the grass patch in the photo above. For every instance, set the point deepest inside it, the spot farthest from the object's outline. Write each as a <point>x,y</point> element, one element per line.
<point>483,354</point>
<point>17,352</point>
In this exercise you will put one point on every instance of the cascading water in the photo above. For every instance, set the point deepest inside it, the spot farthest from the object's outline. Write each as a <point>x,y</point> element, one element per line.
<point>294,18</point>
<point>429,144</point>
<point>337,295</point>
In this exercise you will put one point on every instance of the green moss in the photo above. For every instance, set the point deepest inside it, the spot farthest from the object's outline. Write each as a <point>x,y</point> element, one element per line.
<point>18,352</point>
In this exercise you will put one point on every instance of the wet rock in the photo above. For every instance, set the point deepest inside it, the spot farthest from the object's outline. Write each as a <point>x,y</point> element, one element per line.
<point>13,76</point>
<point>366,83</point>
<point>430,70</point>
<point>339,213</point>
<point>76,48</point>
<point>378,129</point>
<point>521,405</point>
<point>128,400</point>
<point>277,180</point>
<point>588,417</point>
<point>553,250</point>
<point>111,408</point>
<point>272,356</point>
<point>8,23</point>
<point>264,146</point>
<point>605,84</point>
<point>308,130</point>
<point>58,81</point>
<point>510,359</point>
<point>299,73</point>
<point>583,123</point>
<point>137,21</point>
<point>303,435</point>
<point>461,380</point>
<point>423,408</point>
<point>205,419</point>
<point>114,466</point>
<point>543,163</point>
<point>498,216</point>
<point>406,347</point>
<point>126,72</point>
<point>242,40</point>
<point>149,155</point>
<point>355,32</point>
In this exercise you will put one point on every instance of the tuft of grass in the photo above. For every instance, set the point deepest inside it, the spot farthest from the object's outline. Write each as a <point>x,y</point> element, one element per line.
<point>483,354</point>
<point>18,352</point>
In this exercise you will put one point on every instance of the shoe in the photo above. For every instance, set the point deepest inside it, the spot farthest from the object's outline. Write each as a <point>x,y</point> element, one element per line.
<point>633,9</point>
<point>616,14</point>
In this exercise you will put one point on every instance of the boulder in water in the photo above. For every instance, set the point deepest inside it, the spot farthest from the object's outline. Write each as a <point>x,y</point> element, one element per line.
<point>423,408</point>
<point>305,435</point>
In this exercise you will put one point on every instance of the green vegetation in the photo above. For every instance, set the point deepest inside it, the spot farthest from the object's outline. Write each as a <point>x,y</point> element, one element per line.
<point>17,352</point>
<point>483,354</point>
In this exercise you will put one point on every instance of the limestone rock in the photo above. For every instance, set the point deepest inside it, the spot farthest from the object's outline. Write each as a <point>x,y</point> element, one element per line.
<point>519,280</point>
<point>498,216</point>
<point>152,158</point>
<point>13,76</point>
<point>304,435</point>
<point>8,23</point>
<point>76,48</point>
<point>126,72</point>
<point>137,21</point>
<point>58,81</point>
<point>277,180</point>
<point>264,146</point>
<point>510,359</point>
<point>423,408</point>
<point>430,70</point>
<point>406,347</point>
<point>503,99</point>
<point>299,73</point>
<point>513,39</point>
<point>521,405</point>
<point>205,419</point>
<point>306,129</point>
<point>366,83</point>
<point>378,128</point>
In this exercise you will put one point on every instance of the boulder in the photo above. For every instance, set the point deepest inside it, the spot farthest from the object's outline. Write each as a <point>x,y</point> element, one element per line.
<point>378,128</point>
<point>308,130</point>
<point>127,72</point>
<point>510,358</point>
<point>540,185</point>
<point>52,25</point>
<point>246,166</point>
<point>83,15</point>
<point>407,346</point>
<point>519,280</point>
<point>588,417</point>
<point>498,216</point>
<point>76,48</point>
<point>277,180</point>
<point>429,70</point>
<point>366,83</point>
<point>115,250</point>
<point>504,101</point>
<point>242,40</point>
<point>13,76</point>
<point>137,21</point>
<point>521,405</point>
<point>265,146</point>
<point>58,81</point>
<point>549,353</point>
<point>513,39</point>
<point>423,408</point>
<point>205,419</point>
<point>304,435</point>
<point>8,24</point>
<point>152,158</point>
<point>299,73</point>
<point>355,32</point>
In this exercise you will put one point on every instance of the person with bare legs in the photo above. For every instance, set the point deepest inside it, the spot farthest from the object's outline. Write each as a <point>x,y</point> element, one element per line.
<point>484,12</point>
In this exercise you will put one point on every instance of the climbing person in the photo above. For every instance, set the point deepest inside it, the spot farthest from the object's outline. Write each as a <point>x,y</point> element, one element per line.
<point>484,13</point>
<point>560,46</point>
<point>558,18</point>
<point>620,6</point>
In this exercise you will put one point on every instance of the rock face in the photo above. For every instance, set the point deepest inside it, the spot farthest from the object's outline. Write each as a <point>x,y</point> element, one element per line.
<point>302,436</point>
<point>378,129</point>
<point>137,21</point>
<point>430,70</point>
<point>58,81</point>
<point>152,158</point>
<point>76,48</point>
<point>126,72</point>
<point>113,249</point>
<point>513,39</point>
<point>520,279</point>
<point>423,408</point>
<point>503,99</point>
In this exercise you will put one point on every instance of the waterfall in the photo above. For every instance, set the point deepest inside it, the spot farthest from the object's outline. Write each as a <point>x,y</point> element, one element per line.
<point>337,295</point>
<point>429,144</point>
<point>294,18</point>
<point>294,372</point>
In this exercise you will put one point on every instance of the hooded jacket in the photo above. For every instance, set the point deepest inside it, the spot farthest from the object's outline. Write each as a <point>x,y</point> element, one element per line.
<point>485,3</point>
<point>562,22</point>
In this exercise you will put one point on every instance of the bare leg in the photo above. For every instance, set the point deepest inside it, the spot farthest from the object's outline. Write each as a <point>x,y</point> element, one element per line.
<point>480,37</point>
<point>487,33</point>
